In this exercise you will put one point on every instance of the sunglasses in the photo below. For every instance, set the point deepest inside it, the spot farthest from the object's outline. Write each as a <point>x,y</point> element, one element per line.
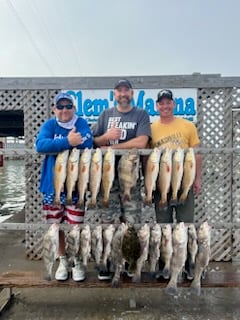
<point>61,107</point>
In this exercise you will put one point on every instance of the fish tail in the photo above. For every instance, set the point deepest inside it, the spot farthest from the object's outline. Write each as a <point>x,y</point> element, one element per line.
<point>163,205</point>
<point>105,203</point>
<point>126,197</point>
<point>170,289</point>
<point>173,201</point>
<point>147,201</point>
<point>56,202</point>
<point>48,275</point>
<point>80,205</point>
<point>196,288</point>
<point>69,202</point>
<point>115,282</point>
<point>182,198</point>
<point>92,204</point>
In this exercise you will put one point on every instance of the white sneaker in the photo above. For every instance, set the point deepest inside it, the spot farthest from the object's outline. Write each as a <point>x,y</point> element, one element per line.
<point>62,270</point>
<point>78,272</point>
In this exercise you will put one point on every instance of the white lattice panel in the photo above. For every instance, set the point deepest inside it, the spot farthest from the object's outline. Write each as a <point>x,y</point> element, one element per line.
<point>36,111</point>
<point>215,117</point>
<point>221,244</point>
<point>12,99</point>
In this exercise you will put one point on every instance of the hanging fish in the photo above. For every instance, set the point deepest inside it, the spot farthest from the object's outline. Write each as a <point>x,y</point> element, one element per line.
<point>72,173</point>
<point>60,174</point>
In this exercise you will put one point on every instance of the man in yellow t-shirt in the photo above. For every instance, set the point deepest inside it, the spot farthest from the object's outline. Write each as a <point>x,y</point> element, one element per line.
<point>173,133</point>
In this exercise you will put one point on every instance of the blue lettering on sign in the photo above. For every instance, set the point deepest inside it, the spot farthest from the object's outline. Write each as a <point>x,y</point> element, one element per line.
<point>93,107</point>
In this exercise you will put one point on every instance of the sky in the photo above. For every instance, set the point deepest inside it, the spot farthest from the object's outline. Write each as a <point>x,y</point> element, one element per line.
<point>113,38</point>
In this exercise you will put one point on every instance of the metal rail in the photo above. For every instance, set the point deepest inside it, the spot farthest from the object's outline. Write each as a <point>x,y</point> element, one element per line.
<point>45,226</point>
<point>122,151</point>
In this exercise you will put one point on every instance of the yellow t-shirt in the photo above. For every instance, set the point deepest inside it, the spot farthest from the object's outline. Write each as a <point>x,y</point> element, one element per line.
<point>179,133</point>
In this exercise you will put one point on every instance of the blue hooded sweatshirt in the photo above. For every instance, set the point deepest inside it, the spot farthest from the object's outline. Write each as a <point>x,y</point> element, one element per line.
<point>52,138</point>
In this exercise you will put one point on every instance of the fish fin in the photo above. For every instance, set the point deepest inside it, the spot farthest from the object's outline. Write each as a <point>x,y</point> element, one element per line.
<point>168,168</point>
<point>59,168</point>
<point>147,201</point>
<point>84,168</point>
<point>152,168</point>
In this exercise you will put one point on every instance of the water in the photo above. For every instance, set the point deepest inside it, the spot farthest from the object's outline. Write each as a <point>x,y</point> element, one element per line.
<point>12,188</point>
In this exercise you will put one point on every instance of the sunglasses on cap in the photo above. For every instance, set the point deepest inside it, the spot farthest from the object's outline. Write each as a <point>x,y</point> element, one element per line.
<point>61,107</point>
<point>164,94</point>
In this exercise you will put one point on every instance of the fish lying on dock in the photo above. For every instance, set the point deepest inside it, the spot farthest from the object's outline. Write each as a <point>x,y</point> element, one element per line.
<point>117,256</point>
<point>154,247</point>
<point>179,256</point>
<point>50,248</point>
<point>203,256</point>
<point>97,245</point>
<point>73,241</point>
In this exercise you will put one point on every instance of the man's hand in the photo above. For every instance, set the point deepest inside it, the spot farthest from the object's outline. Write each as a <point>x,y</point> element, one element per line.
<point>197,186</point>
<point>74,138</point>
<point>113,133</point>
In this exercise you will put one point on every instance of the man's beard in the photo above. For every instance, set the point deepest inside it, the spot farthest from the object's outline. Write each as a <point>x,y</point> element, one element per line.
<point>124,102</point>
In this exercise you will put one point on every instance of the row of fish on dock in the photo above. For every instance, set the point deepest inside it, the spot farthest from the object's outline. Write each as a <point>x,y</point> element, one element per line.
<point>166,245</point>
<point>165,170</point>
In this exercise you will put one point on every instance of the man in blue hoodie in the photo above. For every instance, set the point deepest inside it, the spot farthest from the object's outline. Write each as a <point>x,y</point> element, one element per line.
<point>65,131</point>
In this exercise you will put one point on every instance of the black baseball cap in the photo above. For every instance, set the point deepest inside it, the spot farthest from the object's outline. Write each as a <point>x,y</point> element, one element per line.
<point>123,83</point>
<point>166,93</point>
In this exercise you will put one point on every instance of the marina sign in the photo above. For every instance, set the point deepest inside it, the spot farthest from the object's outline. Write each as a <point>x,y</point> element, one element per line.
<point>90,103</point>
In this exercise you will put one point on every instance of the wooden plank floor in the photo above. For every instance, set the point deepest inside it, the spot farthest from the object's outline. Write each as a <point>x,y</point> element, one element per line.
<point>27,279</point>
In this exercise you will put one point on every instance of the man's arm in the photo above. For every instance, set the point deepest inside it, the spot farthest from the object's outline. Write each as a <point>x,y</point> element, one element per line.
<point>138,142</point>
<point>101,141</point>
